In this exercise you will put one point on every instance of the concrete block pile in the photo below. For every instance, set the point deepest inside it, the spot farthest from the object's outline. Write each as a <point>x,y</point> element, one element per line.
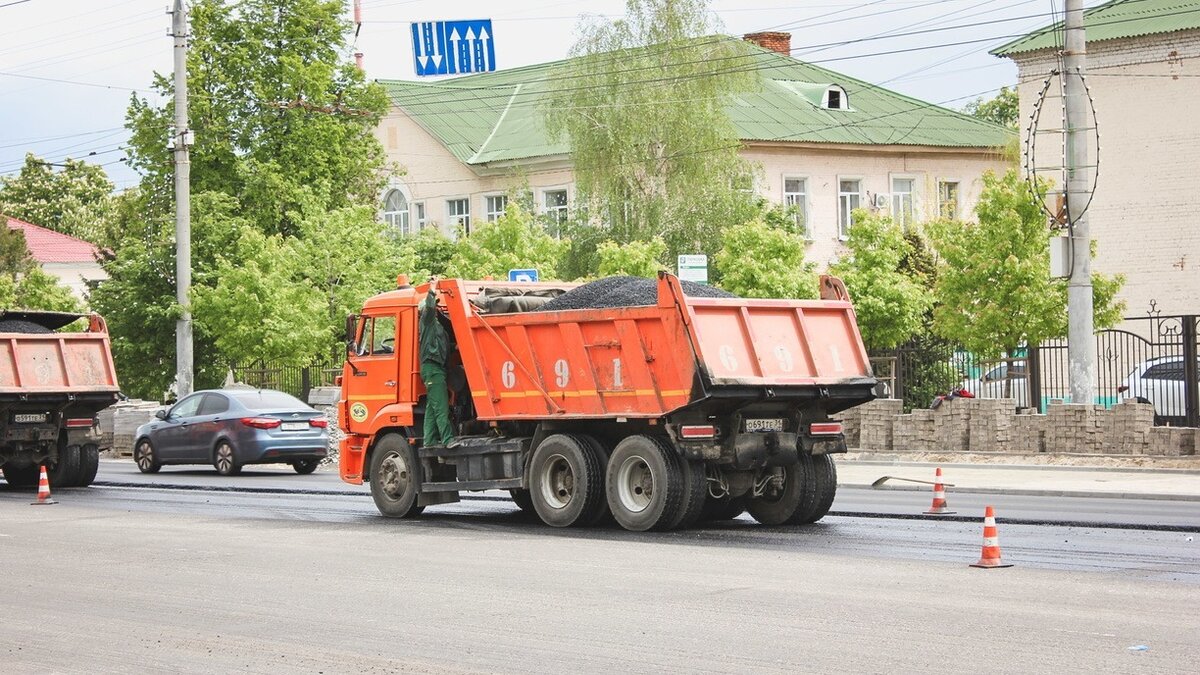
<point>118,423</point>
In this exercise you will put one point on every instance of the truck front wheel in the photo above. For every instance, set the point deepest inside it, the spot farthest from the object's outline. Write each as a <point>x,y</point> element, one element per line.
<point>395,477</point>
<point>645,484</point>
<point>566,481</point>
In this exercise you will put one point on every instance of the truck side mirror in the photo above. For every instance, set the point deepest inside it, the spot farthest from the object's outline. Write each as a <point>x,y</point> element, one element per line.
<point>351,344</point>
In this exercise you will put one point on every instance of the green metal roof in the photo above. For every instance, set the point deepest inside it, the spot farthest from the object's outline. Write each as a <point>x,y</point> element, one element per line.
<point>496,117</point>
<point>1115,20</point>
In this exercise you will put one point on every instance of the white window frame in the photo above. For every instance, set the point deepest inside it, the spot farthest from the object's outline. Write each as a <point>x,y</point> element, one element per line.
<point>804,201</point>
<point>958,203</point>
<point>488,213</point>
<point>913,197</point>
<point>420,216</point>
<point>845,219</point>
<point>560,214</point>
<point>843,98</point>
<point>400,219</point>
<point>453,221</point>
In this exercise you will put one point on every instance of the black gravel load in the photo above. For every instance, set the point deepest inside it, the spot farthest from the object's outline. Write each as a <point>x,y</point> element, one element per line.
<point>623,292</point>
<point>17,326</point>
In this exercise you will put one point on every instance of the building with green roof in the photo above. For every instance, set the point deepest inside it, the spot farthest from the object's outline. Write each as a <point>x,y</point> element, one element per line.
<point>1142,77</point>
<point>824,141</point>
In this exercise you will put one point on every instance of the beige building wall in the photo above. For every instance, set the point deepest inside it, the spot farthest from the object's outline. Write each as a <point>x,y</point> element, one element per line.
<point>1143,215</point>
<point>433,176</point>
<point>75,276</point>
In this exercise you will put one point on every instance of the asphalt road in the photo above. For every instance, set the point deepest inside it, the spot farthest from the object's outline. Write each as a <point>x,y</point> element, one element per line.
<point>116,579</point>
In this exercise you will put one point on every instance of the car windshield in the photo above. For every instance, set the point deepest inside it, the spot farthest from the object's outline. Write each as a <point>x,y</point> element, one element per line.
<point>268,400</point>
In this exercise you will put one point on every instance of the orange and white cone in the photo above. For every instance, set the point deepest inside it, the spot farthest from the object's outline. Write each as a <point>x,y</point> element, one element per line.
<point>44,489</point>
<point>939,506</point>
<point>991,542</point>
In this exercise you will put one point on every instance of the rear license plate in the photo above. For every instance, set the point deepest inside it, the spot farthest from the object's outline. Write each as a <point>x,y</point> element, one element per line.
<point>29,418</point>
<point>294,426</point>
<point>764,425</point>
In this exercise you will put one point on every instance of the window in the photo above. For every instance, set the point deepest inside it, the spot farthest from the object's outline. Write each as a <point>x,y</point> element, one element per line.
<point>419,209</point>
<point>836,98</point>
<point>188,406</point>
<point>795,196</point>
<point>849,198</point>
<point>378,336</point>
<point>903,210</point>
<point>458,214</point>
<point>214,404</point>
<point>1165,371</point>
<point>395,211</point>
<point>494,206</point>
<point>948,199</point>
<point>265,399</point>
<point>555,205</point>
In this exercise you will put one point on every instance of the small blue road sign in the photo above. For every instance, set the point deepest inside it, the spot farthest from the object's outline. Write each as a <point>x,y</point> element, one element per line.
<point>453,47</point>
<point>522,275</point>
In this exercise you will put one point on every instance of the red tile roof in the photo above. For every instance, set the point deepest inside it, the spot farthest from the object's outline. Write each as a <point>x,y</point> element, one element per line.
<point>47,246</point>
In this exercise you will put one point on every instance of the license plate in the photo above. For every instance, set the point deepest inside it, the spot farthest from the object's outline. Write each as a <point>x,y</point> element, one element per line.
<point>764,425</point>
<point>294,426</point>
<point>30,418</point>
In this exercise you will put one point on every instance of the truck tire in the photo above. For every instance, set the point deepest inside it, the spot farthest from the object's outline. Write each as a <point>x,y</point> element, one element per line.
<point>66,473</point>
<point>781,506</point>
<point>726,508</point>
<point>145,457</point>
<point>21,477</point>
<point>644,484</point>
<point>89,464</point>
<point>225,459</point>
<point>820,487</point>
<point>603,514</point>
<point>395,477</point>
<point>566,481</point>
<point>522,499</point>
<point>695,493</point>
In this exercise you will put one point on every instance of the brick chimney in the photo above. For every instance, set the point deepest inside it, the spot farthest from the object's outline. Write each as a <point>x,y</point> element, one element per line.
<point>776,42</point>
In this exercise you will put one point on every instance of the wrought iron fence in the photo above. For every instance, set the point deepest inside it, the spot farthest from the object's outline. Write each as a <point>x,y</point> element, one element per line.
<point>295,380</point>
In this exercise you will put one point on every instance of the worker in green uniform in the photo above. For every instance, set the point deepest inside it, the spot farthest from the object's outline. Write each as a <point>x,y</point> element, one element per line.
<point>434,347</point>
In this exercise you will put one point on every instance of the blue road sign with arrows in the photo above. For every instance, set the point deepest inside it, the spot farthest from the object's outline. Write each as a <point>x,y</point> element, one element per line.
<point>453,47</point>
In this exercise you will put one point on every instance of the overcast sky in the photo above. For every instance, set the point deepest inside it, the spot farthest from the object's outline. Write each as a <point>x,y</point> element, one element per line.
<point>108,49</point>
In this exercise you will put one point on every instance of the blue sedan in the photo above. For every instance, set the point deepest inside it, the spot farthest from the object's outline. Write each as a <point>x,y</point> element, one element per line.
<point>229,428</point>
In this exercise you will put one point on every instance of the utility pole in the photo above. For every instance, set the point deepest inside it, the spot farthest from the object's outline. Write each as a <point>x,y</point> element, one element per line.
<point>183,205</point>
<point>1081,339</point>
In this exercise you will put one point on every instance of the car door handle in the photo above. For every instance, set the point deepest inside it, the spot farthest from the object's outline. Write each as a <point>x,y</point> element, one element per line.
<point>389,383</point>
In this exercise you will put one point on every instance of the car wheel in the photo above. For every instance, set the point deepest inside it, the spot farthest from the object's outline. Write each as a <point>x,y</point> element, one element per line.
<point>146,459</point>
<point>225,460</point>
<point>395,477</point>
<point>306,466</point>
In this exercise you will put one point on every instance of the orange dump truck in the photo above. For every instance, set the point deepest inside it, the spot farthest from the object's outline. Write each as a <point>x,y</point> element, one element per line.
<point>52,384</point>
<point>691,408</point>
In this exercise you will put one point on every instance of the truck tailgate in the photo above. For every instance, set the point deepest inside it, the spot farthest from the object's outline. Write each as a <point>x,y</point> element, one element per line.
<point>56,362</point>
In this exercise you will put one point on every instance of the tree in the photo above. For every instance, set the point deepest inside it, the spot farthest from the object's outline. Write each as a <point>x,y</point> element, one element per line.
<point>760,261</point>
<point>513,241</point>
<point>635,258</point>
<point>654,150</point>
<point>1003,109</point>
<point>426,254</point>
<point>994,292</point>
<point>25,285</point>
<point>76,200</point>
<point>890,304</point>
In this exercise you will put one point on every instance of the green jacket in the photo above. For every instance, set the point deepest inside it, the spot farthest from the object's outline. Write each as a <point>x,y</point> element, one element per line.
<point>433,341</point>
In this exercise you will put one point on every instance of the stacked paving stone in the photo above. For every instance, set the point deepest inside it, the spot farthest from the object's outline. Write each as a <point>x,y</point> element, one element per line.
<point>120,421</point>
<point>1027,434</point>
<point>875,422</point>
<point>990,424</point>
<point>1172,441</point>
<point>1074,428</point>
<point>1126,429</point>
<point>951,425</point>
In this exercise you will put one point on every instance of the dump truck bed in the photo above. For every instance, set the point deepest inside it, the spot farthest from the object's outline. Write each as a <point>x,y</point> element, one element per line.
<point>58,364</point>
<point>646,362</point>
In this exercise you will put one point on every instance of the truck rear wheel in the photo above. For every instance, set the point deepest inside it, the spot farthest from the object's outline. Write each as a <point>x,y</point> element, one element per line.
<point>89,464</point>
<point>66,473</point>
<point>726,508</point>
<point>395,477</point>
<point>695,493</point>
<point>780,505</point>
<point>645,484</point>
<point>21,477</point>
<point>820,487</point>
<point>522,499</point>
<point>566,481</point>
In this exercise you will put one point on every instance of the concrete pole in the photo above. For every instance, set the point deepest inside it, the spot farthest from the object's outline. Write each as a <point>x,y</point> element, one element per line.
<point>183,205</point>
<point>1080,332</point>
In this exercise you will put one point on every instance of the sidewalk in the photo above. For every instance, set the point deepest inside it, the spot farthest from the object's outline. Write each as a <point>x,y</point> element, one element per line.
<point>1047,480</point>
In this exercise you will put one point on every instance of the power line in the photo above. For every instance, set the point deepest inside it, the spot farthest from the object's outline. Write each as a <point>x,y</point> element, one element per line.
<point>10,4</point>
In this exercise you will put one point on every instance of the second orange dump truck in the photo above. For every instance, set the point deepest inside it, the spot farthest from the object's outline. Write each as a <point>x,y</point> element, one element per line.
<point>691,408</point>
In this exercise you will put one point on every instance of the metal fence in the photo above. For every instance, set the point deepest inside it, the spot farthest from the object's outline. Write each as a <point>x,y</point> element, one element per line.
<point>295,380</point>
<point>1152,358</point>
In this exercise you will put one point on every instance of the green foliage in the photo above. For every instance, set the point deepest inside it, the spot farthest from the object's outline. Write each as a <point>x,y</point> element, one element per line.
<point>890,304</point>
<point>14,254</point>
<point>654,150</point>
<point>427,253</point>
<point>513,241</point>
<point>24,284</point>
<point>1003,109</point>
<point>993,288</point>
<point>759,261</point>
<point>635,258</point>
<point>77,200</point>
<point>931,371</point>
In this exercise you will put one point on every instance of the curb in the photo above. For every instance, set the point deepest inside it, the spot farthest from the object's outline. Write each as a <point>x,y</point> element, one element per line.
<point>1022,467</point>
<point>1026,492</point>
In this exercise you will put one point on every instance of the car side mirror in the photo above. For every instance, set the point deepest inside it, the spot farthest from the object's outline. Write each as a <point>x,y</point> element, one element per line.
<point>161,413</point>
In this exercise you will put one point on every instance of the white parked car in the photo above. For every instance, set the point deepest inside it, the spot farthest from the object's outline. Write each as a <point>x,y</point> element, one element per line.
<point>1004,380</point>
<point>1159,382</point>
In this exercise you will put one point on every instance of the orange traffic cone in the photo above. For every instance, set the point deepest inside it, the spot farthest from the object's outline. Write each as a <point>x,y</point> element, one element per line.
<point>939,506</point>
<point>991,543</point>
<point>44,489</point>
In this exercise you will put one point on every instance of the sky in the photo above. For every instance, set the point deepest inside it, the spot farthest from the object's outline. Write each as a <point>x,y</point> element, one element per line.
<point>69,67</point>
